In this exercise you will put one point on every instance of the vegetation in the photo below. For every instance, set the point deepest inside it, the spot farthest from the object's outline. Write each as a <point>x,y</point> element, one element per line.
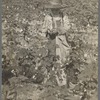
<point>26,51</point>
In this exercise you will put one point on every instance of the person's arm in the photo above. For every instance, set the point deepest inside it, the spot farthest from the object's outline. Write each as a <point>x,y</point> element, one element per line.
<point>47,24</point>
<point>66,23</point>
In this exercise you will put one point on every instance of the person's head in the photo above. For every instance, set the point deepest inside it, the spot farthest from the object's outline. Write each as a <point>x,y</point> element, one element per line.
<point>53,4</point>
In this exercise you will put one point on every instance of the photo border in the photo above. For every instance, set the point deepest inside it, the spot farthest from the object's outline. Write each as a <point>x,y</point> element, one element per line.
<point>98,47</point>
<point>0,46</point>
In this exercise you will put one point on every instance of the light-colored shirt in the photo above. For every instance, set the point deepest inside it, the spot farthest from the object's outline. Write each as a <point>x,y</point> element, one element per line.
<point>58,23</point>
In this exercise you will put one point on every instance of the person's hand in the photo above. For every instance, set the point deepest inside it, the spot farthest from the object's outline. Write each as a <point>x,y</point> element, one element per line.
<point>54,31</point>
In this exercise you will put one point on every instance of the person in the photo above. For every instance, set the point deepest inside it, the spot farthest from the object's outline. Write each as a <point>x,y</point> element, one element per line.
<point>55,25</point>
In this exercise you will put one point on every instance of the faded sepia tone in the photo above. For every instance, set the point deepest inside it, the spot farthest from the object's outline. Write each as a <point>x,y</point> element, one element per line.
<point>49,50</point>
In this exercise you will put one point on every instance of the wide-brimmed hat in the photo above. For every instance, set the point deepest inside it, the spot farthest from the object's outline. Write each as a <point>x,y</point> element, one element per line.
<point>54,4</point>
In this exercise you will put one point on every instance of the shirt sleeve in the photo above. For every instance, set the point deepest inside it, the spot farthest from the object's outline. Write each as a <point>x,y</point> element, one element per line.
<point>47,25</point>
<point>66,23</point>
